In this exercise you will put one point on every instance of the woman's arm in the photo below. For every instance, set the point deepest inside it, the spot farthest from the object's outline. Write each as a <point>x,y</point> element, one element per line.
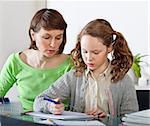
<point>8,75</point>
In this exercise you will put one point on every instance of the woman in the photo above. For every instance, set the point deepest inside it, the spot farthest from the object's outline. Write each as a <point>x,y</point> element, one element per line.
<point>35,69</point>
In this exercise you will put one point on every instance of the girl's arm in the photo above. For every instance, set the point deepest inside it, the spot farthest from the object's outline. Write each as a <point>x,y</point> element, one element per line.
<point>129,100</point>
<point>60,89</point>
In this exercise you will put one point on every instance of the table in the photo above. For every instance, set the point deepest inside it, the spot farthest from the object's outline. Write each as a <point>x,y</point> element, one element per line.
<point>10,115</point>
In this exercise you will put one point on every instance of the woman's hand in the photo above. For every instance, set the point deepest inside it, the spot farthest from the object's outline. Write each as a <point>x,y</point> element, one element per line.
<point>56,109</point>
<point>97,113</point>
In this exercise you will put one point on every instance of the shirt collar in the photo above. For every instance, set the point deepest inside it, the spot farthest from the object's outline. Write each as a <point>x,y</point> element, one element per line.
<point>105,73</point>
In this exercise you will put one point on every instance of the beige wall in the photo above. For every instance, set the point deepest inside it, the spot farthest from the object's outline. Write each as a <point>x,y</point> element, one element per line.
<point>15,19</point>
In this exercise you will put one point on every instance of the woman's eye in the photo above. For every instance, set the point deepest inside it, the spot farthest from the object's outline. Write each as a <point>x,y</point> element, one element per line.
<point>58,38</point>
<point>45,37</point>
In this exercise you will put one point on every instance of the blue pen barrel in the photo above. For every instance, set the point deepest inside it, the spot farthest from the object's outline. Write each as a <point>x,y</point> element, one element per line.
<point>51,100</point>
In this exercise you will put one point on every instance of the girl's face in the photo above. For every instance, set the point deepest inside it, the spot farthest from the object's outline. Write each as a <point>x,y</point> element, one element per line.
<point>48,41</point>
<point>94,52</point>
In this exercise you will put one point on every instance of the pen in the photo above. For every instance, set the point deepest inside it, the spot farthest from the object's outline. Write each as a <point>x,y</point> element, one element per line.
<point>51,100</point>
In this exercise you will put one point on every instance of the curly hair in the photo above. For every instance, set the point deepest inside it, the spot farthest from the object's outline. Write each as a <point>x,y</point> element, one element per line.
<point>122,57</point>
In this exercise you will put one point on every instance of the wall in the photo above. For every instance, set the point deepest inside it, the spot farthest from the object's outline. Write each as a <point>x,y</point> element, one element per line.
<point>131,18</point>
<point>15,19</point>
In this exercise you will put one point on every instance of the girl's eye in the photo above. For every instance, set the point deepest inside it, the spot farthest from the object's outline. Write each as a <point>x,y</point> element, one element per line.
<point>96,52</point>
<point>84,51</point>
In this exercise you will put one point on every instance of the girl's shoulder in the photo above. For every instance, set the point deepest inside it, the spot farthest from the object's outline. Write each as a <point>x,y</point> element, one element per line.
<point>126,82</point>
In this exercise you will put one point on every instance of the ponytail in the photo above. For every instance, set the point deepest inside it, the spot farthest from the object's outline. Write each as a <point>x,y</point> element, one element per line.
<point>122,58</point>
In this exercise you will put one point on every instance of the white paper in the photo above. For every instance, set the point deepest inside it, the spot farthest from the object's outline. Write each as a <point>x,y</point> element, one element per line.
<point>140,117</point>
<point>133,124</point>
<point>143,113</point>
<point>73,123</point>
<point>138,120</point>
<point>66,115</point>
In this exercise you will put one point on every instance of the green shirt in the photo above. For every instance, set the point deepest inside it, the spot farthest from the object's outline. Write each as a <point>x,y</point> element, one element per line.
<point>30,81</point>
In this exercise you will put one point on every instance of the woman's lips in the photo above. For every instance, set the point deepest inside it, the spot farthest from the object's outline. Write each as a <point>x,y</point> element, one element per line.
<point>50,51</point>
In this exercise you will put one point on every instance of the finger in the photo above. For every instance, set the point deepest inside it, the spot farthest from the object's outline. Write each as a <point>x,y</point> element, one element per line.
<point>58,99</point>
<point>96,112</point>
<point>59,106</point>
<point>58,112</point>
<point>91,112</point>
<point>101,115</point>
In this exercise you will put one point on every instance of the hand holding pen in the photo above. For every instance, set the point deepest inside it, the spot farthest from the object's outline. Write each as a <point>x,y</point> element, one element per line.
<point>54,106</point>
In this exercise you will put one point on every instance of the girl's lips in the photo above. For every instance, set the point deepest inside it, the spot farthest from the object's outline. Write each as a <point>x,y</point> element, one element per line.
<point>90,64</point>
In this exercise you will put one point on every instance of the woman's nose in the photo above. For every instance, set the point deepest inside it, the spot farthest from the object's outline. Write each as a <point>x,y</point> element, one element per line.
<point>52,43</point>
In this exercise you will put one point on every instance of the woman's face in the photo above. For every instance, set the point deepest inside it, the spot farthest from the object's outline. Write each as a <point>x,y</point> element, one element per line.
<point>48,41</point>
<point>94,52</point>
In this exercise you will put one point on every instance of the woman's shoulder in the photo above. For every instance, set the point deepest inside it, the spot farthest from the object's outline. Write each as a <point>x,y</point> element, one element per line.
<point>13,57</point>
<point>64,57</point>
<point>26,54</point>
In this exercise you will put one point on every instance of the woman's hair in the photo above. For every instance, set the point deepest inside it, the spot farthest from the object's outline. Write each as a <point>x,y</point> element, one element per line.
<point>48,19</point>
<point>122,58</point>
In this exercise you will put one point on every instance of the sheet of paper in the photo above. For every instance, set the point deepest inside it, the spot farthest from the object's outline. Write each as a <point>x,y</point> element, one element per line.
<point>67,115</point>
<point>133,124</point>
<point>143,113</point>
<point>139,120</point>
<point>140,117</point>
<point>73,123</point>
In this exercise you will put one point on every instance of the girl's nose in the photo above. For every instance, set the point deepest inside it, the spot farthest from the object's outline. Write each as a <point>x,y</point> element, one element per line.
<point>89,57</point>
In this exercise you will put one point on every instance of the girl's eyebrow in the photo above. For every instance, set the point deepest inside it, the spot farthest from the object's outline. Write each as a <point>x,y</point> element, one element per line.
<point>92,50</point>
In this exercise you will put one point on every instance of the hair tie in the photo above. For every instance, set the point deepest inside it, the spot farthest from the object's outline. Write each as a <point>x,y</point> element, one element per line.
<point>114,36</point>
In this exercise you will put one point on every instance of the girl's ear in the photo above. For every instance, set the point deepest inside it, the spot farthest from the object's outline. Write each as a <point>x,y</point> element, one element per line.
<point>32,35</point>
<point>110,48</point>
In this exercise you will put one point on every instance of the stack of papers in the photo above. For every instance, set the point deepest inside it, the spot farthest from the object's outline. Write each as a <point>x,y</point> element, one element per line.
<point>72,123</point>
<point>66,115</point>
<point>68,118</point>
<point>140,118</point>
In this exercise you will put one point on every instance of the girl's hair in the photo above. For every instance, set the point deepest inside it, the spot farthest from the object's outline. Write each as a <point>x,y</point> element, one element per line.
<point>122,58</point>
<point>48,19</point>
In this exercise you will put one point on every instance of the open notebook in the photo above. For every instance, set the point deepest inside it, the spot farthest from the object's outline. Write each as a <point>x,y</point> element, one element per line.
<point>67,115</point>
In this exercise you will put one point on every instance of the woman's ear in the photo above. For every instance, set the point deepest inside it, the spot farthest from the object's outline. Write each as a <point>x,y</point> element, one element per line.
<point>32,35</point>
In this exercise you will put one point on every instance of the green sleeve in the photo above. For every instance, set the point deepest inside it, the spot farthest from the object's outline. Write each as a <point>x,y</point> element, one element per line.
<point>7,75</point>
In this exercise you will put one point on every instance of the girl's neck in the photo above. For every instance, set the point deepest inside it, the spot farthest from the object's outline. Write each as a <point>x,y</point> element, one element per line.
<point>101,69</point>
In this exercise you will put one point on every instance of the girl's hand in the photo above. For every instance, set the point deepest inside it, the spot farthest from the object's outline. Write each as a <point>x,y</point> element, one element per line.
<point>56,109</point>
<point>97,113</point>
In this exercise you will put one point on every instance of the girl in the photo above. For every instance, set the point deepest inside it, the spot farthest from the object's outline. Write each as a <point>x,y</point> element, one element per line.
<point>35,69</point>
<point>97,86</point>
